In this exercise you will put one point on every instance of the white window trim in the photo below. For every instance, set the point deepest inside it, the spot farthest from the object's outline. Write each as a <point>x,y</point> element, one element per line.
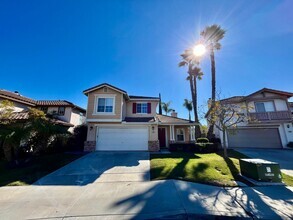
<point>183,134</point>
<point>142,113</point>
<point>97,96</point>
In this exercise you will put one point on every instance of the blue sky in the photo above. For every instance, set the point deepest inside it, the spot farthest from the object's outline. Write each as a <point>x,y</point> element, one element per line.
<point>57,49</point>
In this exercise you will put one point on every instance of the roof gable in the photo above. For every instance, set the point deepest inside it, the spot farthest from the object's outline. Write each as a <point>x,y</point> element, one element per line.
<point>101,86</point>
<point>266,90</point>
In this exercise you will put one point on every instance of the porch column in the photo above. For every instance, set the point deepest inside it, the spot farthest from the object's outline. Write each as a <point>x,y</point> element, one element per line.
<point>192,135</point>
<point>173,134</point>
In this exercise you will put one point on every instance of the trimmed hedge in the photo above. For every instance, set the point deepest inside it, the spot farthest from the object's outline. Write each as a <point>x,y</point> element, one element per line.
<point>194,147</point>
<point>202,140</point>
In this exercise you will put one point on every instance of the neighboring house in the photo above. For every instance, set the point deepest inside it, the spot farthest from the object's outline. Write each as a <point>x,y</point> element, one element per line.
<point>121,122</point>
<point>270,123</point>
<point>66,113</point>
<point>291,107</point>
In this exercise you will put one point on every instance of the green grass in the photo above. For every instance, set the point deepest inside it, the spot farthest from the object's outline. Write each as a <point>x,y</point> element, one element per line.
<point>202,168</point>
<point>288,180</point>
<point>37,168</point>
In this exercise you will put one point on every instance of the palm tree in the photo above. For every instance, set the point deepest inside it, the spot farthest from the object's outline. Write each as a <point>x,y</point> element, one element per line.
<point>211,37</point>
<point>166,107</point>
<point>188,105</point>
<point>194,73</point>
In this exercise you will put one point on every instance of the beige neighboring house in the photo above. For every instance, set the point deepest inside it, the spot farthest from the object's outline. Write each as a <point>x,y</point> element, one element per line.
<point>65,112</point>
<point>272,124</point>
<point>121,122</point>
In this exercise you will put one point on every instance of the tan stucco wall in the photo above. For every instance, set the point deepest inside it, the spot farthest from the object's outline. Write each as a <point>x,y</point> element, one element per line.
<point>129,106</point>
<point>91,104</point>
<point>153,133</point>
<point>186,132</point>
<point>91,133</point>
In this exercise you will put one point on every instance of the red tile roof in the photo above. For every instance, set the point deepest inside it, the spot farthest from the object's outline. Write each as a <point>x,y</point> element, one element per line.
<point>53,103</point>
<point>24,115</point>
<point>34,103</point>
<point>16,96</point>
<point>139,119</point>
<point>170,119</point>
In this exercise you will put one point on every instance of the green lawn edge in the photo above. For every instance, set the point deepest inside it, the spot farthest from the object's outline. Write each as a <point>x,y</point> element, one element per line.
<point>211,169</point>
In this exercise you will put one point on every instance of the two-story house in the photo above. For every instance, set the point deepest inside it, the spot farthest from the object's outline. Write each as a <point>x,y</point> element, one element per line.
<point>66,113</point>
<point>269,124</point>
<point>121,122</point>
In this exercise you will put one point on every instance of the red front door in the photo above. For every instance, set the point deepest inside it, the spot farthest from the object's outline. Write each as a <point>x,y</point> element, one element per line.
<point>162,137</point>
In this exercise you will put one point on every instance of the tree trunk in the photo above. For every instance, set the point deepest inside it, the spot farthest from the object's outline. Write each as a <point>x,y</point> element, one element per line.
<point>197,127</point>
<point>224,143</point>
<point>189,115</point>
<point>213,71</point>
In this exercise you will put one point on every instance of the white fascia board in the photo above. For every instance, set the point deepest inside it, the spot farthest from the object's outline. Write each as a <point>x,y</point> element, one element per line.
<point>103,120</point>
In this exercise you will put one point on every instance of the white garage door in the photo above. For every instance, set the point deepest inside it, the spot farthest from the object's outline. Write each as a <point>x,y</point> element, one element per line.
<point>255,138</point>
<point>122,139</point>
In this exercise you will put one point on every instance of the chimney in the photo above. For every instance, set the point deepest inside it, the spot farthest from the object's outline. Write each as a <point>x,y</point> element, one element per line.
<point>174,114</point>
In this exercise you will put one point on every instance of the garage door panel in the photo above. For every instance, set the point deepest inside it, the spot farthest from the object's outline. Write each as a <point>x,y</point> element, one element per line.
<point>255,138</point>
<point>128,139</point>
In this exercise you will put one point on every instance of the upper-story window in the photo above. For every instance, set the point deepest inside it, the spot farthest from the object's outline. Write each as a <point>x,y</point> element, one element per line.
<point>105,105</point>
<point>265,106</point>
<point>142,108</point>
<point>61,110</point>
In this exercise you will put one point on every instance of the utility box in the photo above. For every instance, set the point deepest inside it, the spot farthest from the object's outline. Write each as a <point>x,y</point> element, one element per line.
<point>261,170</point>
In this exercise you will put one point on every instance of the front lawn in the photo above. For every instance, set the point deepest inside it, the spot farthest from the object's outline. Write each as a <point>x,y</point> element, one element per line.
<point>34,170</point>
<point>202,168</point>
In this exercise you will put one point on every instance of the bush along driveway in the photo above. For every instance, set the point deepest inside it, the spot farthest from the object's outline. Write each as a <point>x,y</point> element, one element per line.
<point>210,168</point>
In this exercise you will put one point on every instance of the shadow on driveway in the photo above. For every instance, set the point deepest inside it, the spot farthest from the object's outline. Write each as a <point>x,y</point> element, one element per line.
<point>101,167</point>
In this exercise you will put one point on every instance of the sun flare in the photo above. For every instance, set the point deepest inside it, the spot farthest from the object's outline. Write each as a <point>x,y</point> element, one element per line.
<point>199,50</point>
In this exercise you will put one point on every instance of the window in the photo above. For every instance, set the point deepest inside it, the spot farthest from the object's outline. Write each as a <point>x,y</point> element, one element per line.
<point>44,109</point>
<point>61,110</point>
<point>264,106</point>
<point>105,105</point>
<point>142,108</point>
<point>180,134</point>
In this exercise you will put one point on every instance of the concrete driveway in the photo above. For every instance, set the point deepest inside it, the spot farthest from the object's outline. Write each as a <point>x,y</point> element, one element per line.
<point>282,156</point>
<point>102,167</point>
<point>116,186</point>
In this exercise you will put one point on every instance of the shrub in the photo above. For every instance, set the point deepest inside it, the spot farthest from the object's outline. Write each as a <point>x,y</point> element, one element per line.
<point>76,141</point>
<point>216,140</point>
<point>202,140</point>
<point>58,144</point>
<point>290,144</point>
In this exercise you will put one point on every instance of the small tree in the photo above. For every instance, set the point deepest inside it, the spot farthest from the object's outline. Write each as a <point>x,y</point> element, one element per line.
<point>6,109</point>
<point>225,116</point>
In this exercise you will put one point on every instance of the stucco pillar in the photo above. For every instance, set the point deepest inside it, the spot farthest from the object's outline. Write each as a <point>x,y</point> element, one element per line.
<point>173,133</point>
<point>192,134</point>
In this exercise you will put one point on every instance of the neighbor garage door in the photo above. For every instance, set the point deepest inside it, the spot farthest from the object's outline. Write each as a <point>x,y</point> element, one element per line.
<point>122,139</point>
<point>255,138</point>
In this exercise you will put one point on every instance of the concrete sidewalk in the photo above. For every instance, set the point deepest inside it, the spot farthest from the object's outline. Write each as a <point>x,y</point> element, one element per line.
<point>140,200</point>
